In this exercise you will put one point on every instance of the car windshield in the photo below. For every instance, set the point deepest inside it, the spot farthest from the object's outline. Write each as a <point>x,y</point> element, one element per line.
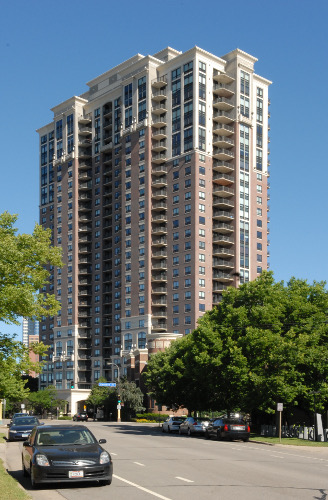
<point>49,437</point>
<point>202,419</point>
<point>234,421</point>
<point>25,421</point>
<point>176,419</point>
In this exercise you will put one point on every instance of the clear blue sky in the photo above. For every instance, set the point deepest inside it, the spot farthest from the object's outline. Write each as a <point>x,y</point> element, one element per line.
<point>48,50</point>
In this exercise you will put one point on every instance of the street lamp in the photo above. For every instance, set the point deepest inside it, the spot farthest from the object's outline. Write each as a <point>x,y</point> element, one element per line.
<point>118,391</point>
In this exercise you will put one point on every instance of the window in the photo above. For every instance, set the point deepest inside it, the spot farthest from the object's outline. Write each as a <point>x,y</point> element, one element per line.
<point>187,282</point>
<point>201,207</point>
<point>187,208</point>
<point>259,234</point>
<point>201,270</point>
<point>259,223</point>
<point>187,270</point>
<point>201,220</point>
<point>259,258</point>
<point>259,246</point>
<point>201,295</point>
<point>201,257</point>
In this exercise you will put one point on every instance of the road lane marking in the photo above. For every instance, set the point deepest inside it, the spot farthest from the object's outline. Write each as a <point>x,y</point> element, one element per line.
<point>114,454</point>
<point>184,479</point>
<point>138,463</point>
<point>141,488</point>
<point>277,456</point>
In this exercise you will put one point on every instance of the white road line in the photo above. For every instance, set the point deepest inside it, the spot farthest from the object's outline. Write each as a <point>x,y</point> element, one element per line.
<point>277,456</point>
<point>141,488</point>
<point>184,479</point>
<point>114,454</point>
<point>138,463</point>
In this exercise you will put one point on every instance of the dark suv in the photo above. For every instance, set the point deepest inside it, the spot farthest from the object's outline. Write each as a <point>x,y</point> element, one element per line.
<point>81,416</point>
<point>228,428</point>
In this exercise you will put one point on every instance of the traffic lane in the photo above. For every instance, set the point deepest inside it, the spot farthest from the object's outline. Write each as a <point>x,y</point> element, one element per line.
<point>227,467</point>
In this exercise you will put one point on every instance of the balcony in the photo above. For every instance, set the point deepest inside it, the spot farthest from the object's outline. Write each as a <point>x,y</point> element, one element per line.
<point>222,90</point>
<point>159,95</point>
<point>107,146</point>
<point>222,141</point>
<point>158,326</point>
<point>223,215</point>
<point>223,117</point>
<point>85,175</point>
<point>159,278</point>
<point>222,78</point>
<point>159,183</point>
<point>223,252</point>
<point>223,129</point>
<point>223,103</point>
<point>222,203</point>
<point>159,313</point>
<point>159,82</point>
<point>85,196</point>
<point>85,228</point>
<point>159,230</point>
<point>222,277</point>
<point>223,191</point>
<point>159,254</point>
<point>162,266</point>
<point>160,205</point>
<point>84,164</point>
<point>85,185</point>
<point>107,124</point>
<point>85,119</point>
<point>223,179</point>
<point>218,287</point>
<point>159,170</point>
<point>159,218</point>
<point>159,122</point>
<point>159,109</point>
<point>158,158</point>
<point>159,242</point>
<point>159,146</point>
<point>223,264</point>
<point>159,134</point>
<point>159,290</point>
<point>221,239</point>
<point>85,131</point>
<point>223,167</point>
<point>222,228</point>
<point>84,249</point>
<point>85,154</point>
<point>223,154</point>
<point>159,302</point>
<point>85,143</point>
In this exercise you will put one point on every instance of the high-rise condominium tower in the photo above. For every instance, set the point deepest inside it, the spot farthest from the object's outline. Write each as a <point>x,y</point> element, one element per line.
<point>154,183</point>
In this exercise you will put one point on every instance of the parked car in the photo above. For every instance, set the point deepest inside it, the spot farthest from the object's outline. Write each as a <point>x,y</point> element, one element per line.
<point>193,425</point>
<point>228,428</point>
<point>172,424</point>
<point>22,427</point>
<point>15,415</point>
<point>65,453</point>
<point>82,416</point>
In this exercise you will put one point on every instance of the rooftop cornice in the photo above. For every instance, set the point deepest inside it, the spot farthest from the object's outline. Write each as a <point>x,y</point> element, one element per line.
<point>262,79</point>
<point>117,69</point>
<point>238,52</point>
<point>69,102</point>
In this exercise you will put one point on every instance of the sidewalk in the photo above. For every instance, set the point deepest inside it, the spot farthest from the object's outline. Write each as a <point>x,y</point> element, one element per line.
<point>3,446</point>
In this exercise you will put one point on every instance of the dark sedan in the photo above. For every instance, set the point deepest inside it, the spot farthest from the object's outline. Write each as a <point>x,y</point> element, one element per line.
<point>228,428</point>
<point>81,416</point>
<point>22,427</point>
<point>65,453</point>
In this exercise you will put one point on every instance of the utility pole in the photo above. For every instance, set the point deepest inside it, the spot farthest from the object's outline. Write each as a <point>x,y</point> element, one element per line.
<point>118,392</point>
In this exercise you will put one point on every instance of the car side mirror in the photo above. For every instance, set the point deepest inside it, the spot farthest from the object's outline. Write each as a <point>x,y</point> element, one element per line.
<point>102,441</point>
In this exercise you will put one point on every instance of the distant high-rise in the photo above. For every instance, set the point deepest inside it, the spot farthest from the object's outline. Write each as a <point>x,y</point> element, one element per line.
<point>154,183</point>
<point>30,336</point>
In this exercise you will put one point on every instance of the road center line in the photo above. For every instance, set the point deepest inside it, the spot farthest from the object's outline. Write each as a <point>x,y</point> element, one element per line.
<point>138,463</point>
<point>184,479</point>
<point>141,488</point>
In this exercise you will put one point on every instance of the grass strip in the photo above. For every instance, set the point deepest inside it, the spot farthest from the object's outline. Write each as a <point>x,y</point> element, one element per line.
<point>9,487</point>
<point>287,441</point>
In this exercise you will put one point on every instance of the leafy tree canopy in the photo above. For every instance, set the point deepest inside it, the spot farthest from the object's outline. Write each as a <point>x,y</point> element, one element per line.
<point>44,400</point>
<point>266,342</point>
<point>23,261</point>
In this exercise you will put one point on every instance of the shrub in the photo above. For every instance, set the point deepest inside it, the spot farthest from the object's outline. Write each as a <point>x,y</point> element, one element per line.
<point>151,417</point>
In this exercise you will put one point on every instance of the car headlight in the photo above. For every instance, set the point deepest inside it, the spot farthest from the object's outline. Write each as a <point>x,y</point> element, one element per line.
<point>104,457</point>
<point>42,460</point>
<point>12,432</point>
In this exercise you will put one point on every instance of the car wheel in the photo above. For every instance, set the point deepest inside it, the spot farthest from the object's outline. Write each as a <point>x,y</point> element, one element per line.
<point>105,482</point>
<point>180,432</point>
<point>246,440</point>
<point>163,429</point>
<point>168,429</point>
<point>207,436</point>
<point>189,432</point>
<point>25,473</point>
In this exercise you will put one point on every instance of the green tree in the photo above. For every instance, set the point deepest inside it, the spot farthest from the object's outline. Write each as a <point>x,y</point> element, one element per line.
<point>43,401</point>
<point>14,360</point>
<point>266,342</point>
<point>23,271</point>
<point>131,397</point>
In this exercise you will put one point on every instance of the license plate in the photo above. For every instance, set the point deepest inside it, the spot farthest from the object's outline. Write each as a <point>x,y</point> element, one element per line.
<point>75,473</point>
<point>238,428</point>
<point>25,435</point>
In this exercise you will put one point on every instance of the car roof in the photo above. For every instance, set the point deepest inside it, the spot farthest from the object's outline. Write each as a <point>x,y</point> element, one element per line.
<point>59,427</point>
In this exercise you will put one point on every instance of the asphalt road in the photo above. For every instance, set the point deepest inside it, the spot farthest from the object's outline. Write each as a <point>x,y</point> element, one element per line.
<point>149,464</point>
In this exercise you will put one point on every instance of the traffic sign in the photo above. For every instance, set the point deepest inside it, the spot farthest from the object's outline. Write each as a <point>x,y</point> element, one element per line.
<point>118,407</point>
<point>107,384</point>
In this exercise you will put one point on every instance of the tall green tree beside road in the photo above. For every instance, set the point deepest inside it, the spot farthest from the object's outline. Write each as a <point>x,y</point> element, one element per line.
<point>23,261</point>
<point>266,342</point>
<point>23,271</point>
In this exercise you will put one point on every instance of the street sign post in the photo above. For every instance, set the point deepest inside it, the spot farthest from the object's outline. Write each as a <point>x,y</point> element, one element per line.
<point>280,408</point>
<point>107,384</point>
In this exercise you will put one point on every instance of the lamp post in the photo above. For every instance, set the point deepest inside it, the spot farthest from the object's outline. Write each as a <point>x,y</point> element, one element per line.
<point>118,390</point>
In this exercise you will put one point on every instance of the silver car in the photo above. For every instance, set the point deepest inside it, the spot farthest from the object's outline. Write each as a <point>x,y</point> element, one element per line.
<point>172,424</point>
<point>194,425</point>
